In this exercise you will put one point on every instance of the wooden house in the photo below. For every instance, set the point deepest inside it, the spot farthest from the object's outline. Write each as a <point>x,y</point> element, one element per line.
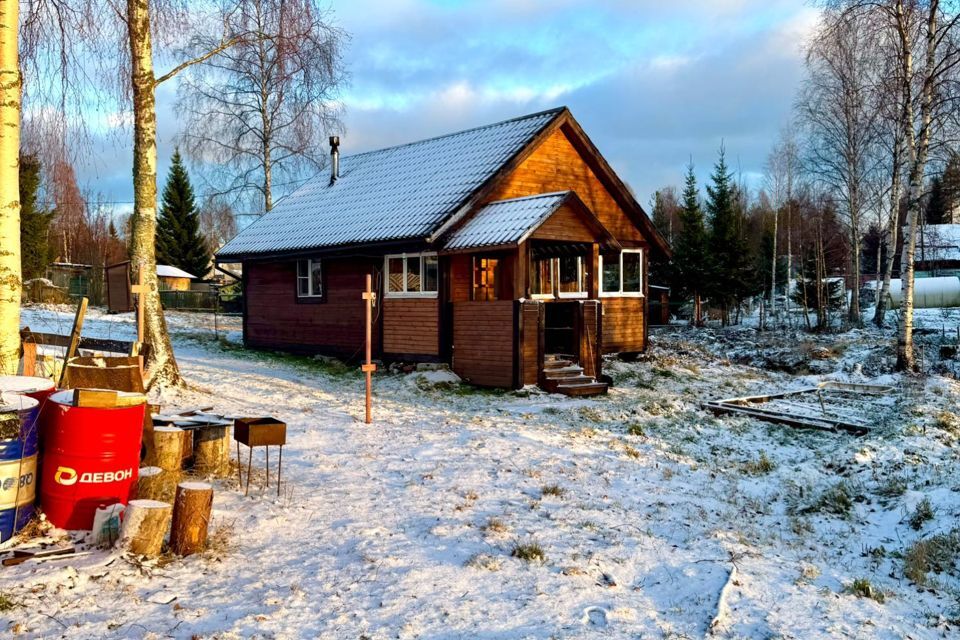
<point>173,279</point>
<point>512,251</point>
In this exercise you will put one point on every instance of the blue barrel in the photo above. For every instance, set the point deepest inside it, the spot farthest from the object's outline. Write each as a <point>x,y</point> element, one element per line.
<point>18,463</point>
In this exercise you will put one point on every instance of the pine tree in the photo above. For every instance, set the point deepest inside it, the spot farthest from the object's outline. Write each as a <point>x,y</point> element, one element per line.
<point>34,222</point>
<point>936,210</point>
<point>690,254</point>
<point>179,241</point>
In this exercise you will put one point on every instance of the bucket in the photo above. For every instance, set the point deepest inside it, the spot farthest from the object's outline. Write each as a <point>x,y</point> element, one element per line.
<point>90,458</point>
<point>34,386</point>
<point>18,462</point>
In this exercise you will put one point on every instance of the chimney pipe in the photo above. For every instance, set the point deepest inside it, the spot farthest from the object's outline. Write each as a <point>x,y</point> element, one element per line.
<point>334,158</point>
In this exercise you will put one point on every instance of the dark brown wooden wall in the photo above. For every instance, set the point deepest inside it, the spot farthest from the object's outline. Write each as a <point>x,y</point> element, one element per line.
<point>623,326</point>
<point>275,318</point>
<point>411,326</point>
<point>483,342</point>
<point>530,363</point>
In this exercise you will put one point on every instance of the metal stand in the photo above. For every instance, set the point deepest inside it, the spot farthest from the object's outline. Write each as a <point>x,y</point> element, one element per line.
<point>246,490</point>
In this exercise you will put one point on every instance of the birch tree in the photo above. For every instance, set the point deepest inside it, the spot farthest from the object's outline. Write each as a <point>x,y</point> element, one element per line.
<point>10,283</point>
<point>782,170</point>
<point>257,114</point>
<point>839,114</point>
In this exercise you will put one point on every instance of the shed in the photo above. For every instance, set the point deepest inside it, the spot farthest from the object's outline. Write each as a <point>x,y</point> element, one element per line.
<point>173,279</point>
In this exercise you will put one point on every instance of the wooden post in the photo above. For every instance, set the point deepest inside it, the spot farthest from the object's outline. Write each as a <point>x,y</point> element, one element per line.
<point>211,450</point>
<point>74,338</point>
<point>150,483</point>
<point>191,515</point>
<point>368,367</point>
<point>139,290</point>
<point>145,524</point>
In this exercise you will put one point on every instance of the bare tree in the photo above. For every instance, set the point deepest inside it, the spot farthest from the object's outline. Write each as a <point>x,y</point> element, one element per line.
<point>839,113</point>
<point>10,283</point>
<point>781,175</point>
<point>218,221</point>
<point>256,114</point>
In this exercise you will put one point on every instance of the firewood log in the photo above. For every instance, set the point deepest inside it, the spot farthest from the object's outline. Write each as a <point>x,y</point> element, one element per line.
<point>150,483</point>
<point>145,525</point>
<point>211,451</point>
<point>168,451</point>
<point>191,516</point>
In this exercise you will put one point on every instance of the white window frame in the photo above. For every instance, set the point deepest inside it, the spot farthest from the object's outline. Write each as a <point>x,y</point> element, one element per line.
<point>621,293</point>
<point>572,294</point>
<point>405,257</point>
<point>554,274</point>
<point>309,278</point>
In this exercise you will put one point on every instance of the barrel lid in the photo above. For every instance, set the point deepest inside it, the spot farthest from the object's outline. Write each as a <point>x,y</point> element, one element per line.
<point>25,384</point>
<point>13,402</point>
<point>124,398</point>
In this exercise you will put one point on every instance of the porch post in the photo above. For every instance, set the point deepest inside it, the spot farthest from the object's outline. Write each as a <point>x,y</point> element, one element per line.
<point>522,271</point>
<point>594,286</point>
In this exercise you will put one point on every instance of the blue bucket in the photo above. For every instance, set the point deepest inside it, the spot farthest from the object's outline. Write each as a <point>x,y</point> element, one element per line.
<point>18,463</point>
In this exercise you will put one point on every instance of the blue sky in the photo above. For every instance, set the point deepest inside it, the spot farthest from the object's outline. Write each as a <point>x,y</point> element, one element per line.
<point>653,83</point>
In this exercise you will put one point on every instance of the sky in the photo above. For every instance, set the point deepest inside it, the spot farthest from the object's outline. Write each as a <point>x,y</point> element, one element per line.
<point>654,83</point>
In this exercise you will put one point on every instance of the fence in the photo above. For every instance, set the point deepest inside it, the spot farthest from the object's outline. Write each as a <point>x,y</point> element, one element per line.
<point>201,301</point>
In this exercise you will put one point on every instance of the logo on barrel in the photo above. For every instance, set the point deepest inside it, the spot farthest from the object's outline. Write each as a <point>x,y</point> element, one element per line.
<point>67,476</point>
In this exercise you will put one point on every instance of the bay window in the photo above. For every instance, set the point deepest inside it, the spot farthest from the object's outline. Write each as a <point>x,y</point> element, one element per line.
<point>622,273</point>
<point>411,275</point>
<point>309,279</point>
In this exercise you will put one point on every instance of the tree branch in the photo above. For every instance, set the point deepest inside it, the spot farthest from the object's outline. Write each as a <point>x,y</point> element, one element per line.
<point>224,44</point>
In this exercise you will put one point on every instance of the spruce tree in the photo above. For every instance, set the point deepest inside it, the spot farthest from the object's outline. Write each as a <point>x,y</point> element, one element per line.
<point>724,237</point>
<point>690,254</point>
<point>179,241</point>
<point>34,222</point>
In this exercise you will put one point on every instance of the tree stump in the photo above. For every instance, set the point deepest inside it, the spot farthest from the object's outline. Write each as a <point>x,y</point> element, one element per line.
<point>150,483</point>
<point>168,450</point>
<point>145,524</point>
<point>191,515</point>
<point>211,451</point>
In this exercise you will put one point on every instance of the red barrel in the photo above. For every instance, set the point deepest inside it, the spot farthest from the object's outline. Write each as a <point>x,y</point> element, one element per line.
<point>90,458</point>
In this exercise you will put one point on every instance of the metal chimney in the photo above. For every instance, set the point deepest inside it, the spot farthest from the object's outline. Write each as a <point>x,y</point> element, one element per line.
<point>334,158</point>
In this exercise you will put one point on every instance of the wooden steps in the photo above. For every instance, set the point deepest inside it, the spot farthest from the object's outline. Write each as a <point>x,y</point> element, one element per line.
<point>562,375</point>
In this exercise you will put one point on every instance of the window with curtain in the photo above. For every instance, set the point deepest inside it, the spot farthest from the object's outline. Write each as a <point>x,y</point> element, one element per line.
<point>412,275</point>
<point>309,279</point>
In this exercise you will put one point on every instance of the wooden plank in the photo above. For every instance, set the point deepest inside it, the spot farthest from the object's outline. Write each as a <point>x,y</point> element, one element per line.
<point>74,337</point>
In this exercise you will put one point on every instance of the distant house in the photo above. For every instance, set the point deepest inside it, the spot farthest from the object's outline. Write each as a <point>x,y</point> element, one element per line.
<point>173,279</point>
<point>511,251</point>
<point>938,251</point>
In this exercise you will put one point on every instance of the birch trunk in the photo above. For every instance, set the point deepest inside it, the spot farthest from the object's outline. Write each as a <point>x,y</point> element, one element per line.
<point>919,147</point>
<point>161,365</point>
<point>890,239</point>
<point>773,269</point>
<point>10,283</point>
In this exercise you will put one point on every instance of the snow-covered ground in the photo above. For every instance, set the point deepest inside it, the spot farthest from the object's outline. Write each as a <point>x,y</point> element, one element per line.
<point>643,507</point>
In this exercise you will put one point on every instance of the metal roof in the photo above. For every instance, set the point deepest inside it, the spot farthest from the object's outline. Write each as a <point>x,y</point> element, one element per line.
<point>399,193</point>
<point>168,271</point>
<point>505,222</point>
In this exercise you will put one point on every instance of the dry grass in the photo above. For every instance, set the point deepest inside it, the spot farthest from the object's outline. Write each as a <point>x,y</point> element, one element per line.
<point>553,490</point>
<point>495,525</point>
<point>936,554</point>
<point>529,551</point>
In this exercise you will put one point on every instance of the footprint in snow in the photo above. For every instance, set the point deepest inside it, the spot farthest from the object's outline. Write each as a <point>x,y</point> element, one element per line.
<point>596,616</point>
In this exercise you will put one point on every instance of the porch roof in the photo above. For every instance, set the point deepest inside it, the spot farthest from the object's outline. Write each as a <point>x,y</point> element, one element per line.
<point>507,223</point>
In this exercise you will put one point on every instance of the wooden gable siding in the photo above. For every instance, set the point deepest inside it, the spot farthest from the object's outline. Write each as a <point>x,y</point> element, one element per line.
<point>564,225</point>
<point>276,319</point>
<point>411,326</point>
<point>556,165</point>
<point>623,324</point>
<point>483,343</point>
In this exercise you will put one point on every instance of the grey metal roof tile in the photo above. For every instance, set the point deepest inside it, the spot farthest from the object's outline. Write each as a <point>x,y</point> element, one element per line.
<point>505,222</point>
<point>398,193</point>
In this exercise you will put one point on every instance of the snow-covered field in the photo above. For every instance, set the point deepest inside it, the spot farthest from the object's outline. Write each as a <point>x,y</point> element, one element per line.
<point>639,508</point>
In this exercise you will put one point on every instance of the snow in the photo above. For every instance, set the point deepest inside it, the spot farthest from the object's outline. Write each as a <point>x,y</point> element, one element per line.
<point>655,518</point>
<point>168,271</point>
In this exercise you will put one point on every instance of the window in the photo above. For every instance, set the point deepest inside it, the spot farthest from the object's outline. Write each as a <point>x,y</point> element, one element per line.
<point>412,275</point>
<point>573,277</point>
<point>309,279</point>
<point>567,272</point>
<point>542,278</point>
<point>622,273</point>
<point>486,278</point>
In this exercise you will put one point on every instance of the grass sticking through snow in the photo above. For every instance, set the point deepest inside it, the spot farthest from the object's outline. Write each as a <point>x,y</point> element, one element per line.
<point>862,588</point>
<point>936,554</point>
<point>529,551</point>
<point>921,515</point>
<point>553,490</point>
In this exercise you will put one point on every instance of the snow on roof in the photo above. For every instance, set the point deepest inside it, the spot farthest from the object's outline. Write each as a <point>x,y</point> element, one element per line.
<point>398,193</point>
<point>939,242</point>
<point>506,221</point>
<point>166,271</point>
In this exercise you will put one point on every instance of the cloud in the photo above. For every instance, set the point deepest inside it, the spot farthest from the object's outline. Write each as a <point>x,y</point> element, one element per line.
<point>652,82</point>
